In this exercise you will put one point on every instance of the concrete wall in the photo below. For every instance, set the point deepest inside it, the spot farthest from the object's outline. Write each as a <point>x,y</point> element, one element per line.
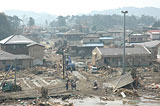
<point>96,55</point>
<point>155,36</point>
<point>36,51</point>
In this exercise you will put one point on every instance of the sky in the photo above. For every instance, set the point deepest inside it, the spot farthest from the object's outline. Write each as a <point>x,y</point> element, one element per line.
<point>73,7</point>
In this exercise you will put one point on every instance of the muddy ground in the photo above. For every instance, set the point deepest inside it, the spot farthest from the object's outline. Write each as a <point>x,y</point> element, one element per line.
<point>51,77</point>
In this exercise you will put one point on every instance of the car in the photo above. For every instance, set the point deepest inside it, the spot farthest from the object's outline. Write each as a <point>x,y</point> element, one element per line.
<point>80,65</point>
<point>94,69</point>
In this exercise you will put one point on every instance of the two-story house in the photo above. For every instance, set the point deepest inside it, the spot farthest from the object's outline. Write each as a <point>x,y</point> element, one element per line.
<point>18,44</point>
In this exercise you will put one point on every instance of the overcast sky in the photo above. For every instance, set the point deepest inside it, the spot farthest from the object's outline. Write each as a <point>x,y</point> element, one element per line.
<point>72,7</point>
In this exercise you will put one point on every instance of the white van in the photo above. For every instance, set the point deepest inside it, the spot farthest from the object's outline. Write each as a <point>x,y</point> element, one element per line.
<point>94,70</point>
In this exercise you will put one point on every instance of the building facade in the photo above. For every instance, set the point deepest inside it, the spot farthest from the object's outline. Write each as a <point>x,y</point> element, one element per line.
<point>113,57</point>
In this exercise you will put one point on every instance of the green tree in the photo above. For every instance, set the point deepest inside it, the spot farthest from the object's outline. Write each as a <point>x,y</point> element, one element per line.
<point>53,24</point>
<point>31,21</point>
<point>156,24</point>
<point>61,21</point>
<point>5,27</point>
<point>94,28</point>
<point>14,22</point>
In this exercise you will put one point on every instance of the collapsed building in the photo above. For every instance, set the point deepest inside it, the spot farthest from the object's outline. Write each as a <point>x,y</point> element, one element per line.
<point>21,61</point>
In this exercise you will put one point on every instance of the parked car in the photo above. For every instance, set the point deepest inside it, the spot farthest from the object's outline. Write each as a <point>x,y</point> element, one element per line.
<point>80,65</point>
<point>94,70</point>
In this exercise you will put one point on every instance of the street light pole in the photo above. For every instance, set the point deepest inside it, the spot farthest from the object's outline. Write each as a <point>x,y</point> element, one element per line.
<point>124,12</point>
<point>63,61</point>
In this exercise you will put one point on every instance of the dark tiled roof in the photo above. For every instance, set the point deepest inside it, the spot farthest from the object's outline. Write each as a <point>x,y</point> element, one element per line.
<point>149,44</point>
<point>8,56</point>
<point>16,39</point>
<point>35,44</point>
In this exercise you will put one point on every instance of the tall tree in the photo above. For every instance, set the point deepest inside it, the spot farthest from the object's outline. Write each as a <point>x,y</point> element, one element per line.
<point>31,21</point>
<point>61,21</point>
<point>5,27</point>
<point>156,24</point>
<point>14,22</point>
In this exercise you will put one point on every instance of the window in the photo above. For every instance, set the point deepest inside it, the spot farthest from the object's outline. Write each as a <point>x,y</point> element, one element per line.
<point>91,40</point>
<point>4,62</point>
<point>133,39</point>
<point>19,62</point>
<point>140,39</point>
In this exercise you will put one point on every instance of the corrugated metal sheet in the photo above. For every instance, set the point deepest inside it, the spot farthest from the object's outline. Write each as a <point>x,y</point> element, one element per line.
<point>121,81</point>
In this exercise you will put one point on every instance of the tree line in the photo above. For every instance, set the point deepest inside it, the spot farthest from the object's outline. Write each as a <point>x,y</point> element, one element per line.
<point>101,22</point>
<point>10,24</point>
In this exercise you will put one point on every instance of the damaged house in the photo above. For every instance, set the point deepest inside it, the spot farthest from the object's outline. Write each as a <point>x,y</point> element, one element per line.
<point>152,46</point>
<point>18,44</point>
<point>135,56</point>
<point>21,61</point>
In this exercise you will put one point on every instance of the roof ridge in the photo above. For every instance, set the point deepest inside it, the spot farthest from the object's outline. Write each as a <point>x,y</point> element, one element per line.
<point>9,39</point>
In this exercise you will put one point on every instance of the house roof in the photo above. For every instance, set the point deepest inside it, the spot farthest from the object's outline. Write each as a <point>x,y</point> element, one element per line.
<point>120,81</point>
<point>23,56</point>
<point>91,36</point>
<point>32,44</point>
<point>119,51</point>
<point>93,45</point>
<point>149,44</point>
<point>8,56</point>
<point>74,32</point>
<point>154,32</point>
<point>106,38</point>
<point>101,32</point>
<point>16,39</point>
<point>151,31</point>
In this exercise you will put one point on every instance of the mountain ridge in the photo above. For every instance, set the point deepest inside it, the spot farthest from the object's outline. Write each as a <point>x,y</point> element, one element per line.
<point>149,11</point>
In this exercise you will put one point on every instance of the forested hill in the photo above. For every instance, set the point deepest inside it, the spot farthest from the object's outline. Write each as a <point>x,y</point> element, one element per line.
<point>40,18</point>
<point>149,11</point>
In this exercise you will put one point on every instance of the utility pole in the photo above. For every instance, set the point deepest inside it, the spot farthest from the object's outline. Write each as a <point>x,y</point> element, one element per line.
<point>63,61</point>
<point>124,46</point>
<point>15,73</point>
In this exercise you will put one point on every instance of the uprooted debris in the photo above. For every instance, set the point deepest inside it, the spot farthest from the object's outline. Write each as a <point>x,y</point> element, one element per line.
<point>44,92</point>
<point>126,92</point>
<point>54,104</point>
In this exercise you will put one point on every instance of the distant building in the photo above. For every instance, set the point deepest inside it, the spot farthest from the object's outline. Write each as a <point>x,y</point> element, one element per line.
<point>139,56</point>
<point>138,38</point>
<point>154,34</point>
<point>84,48</point>
<point>107,40</point>
<point>73,35</point>
<point>152,46</point>
<point>90,39</point>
